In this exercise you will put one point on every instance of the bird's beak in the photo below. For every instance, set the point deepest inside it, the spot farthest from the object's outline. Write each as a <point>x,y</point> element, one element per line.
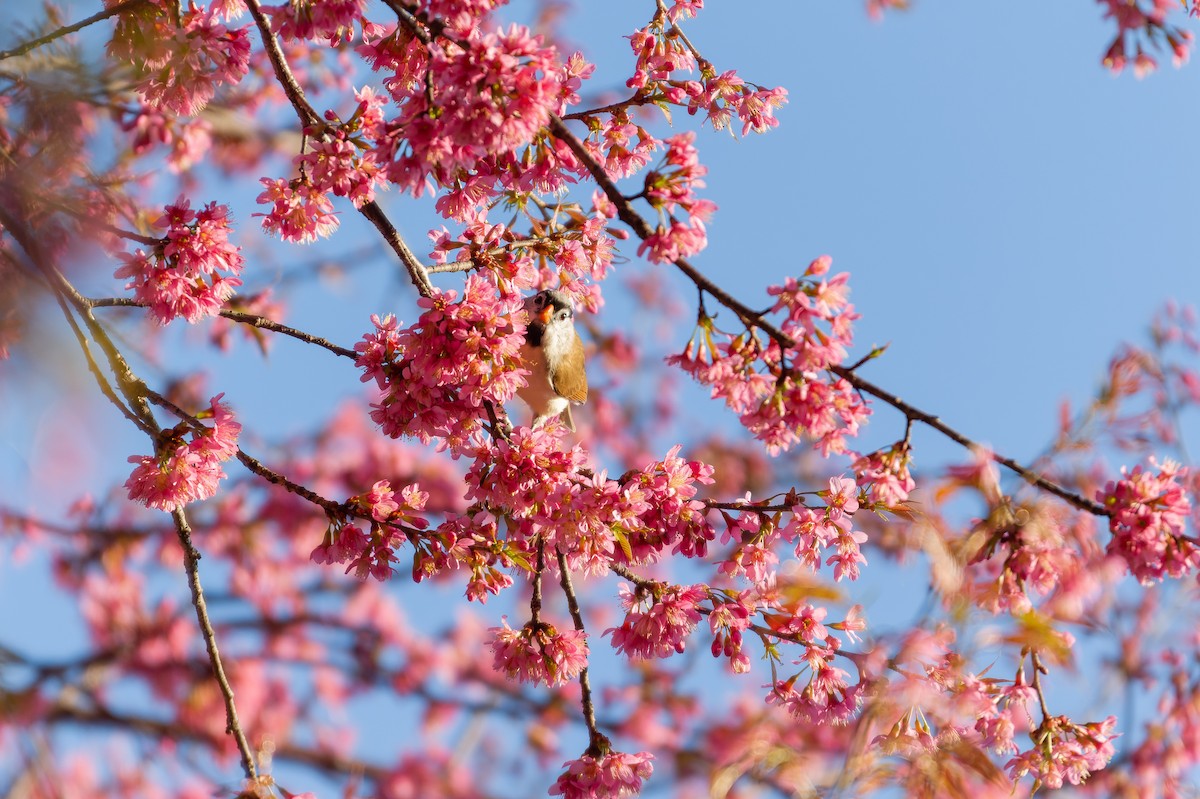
<point>545,314</point>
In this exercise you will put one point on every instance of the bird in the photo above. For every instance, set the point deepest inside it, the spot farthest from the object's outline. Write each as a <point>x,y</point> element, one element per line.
<point>553,354</point>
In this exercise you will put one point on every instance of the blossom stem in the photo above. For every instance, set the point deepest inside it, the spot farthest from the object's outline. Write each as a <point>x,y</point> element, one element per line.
<point>1036,683</point>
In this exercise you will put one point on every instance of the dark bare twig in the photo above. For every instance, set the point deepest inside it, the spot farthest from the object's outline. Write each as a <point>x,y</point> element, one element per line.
<point>119,8</point>
<point>752,318</point>
<point>585,686</point>
<point>191,563</point>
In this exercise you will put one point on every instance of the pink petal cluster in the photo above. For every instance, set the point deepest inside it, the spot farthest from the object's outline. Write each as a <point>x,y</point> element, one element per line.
<point>300,212</point>
<point>885,474</point>
<point>813,531</point>
<point>491,93</point>
<point>193,271</point>
<point>576,247</point>
<point>827,697</point>
<point>727,621</point>
<point>181,66</point>
<point>1065,752</point>
<point>725,95</point>
<point>374,553</point>
<point>1147,513</point>
<point>189,139</point>
<point>439,375</point>
<point>188,465</point>
<point>780,394</point>
<point>593,520</point>
<point>326,21</point>
<point>673,186</point>
<point>657,624</point>
<point>335,165</point>
<point>539,653</point>
<point>1144,25</point>
<point>674,518</point>
<point>614,775</point>
<point>661,52</point>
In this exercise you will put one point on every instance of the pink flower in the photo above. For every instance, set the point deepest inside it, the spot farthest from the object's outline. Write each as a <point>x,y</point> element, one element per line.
<point>439,376</point>
<point>336,166</point>
<point>827,698</point>
<point>1066,752</point>
<point>614,775</point>
<point>468,128</point>
<point>185,470</point>
<point>885,474</point>
<point>1147,513</point>
<point>181,67</point>
<point>539,653</point>
<point>781,394</point>
<point>326,21</point>
<point>193,271</point>
<point>842,498</point>
<point>662,628</point>
<point>300,211</point>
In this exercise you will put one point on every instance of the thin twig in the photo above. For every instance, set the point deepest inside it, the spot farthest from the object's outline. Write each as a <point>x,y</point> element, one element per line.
<point>191,564</point>
<point>254,320</point>
<point>416,270</point>
<point>291,86</point>
<point>585,686</point>
<point>69,29</point>
<point>753,318</point>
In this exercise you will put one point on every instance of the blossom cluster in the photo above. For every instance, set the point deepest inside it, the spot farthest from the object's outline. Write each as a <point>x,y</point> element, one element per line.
<point>374,553</point>
<point>1139,25</point>
<point>329,21</point>
<point>1147,513</point>
<point>439,376</point>
<point>334,164</point>
<point>885,474</point>
<point>447,130</point>
<point>187,466</point>
<point>673,186</point>
<point>593,520</point>
<point>657,624</point>
<point>1066,752</point>
<point>778,391</point>
<point>193,271</point>
<point>661,52</point>
<point>827,697</point>
<point>189,139</point>
<point>300,211</point>
<point>181,67</point>
<point>613,775</point>
<point>570,248</point>
<point>539,653</point>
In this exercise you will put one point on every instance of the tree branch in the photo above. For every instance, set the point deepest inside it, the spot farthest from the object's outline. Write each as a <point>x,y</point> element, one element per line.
<point>753,318</point>
<point>191,563</point>
<point>119,8</point>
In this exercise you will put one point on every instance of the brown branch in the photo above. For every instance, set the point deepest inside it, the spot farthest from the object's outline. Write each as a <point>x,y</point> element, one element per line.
<point>585,686</point>
<point>416,270</point>
<point>330,507</point>
<point>253,320</point>
<point>69,29</point>
<point>291,87</point>
<point>754,318</point>
<point>191,563</point>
